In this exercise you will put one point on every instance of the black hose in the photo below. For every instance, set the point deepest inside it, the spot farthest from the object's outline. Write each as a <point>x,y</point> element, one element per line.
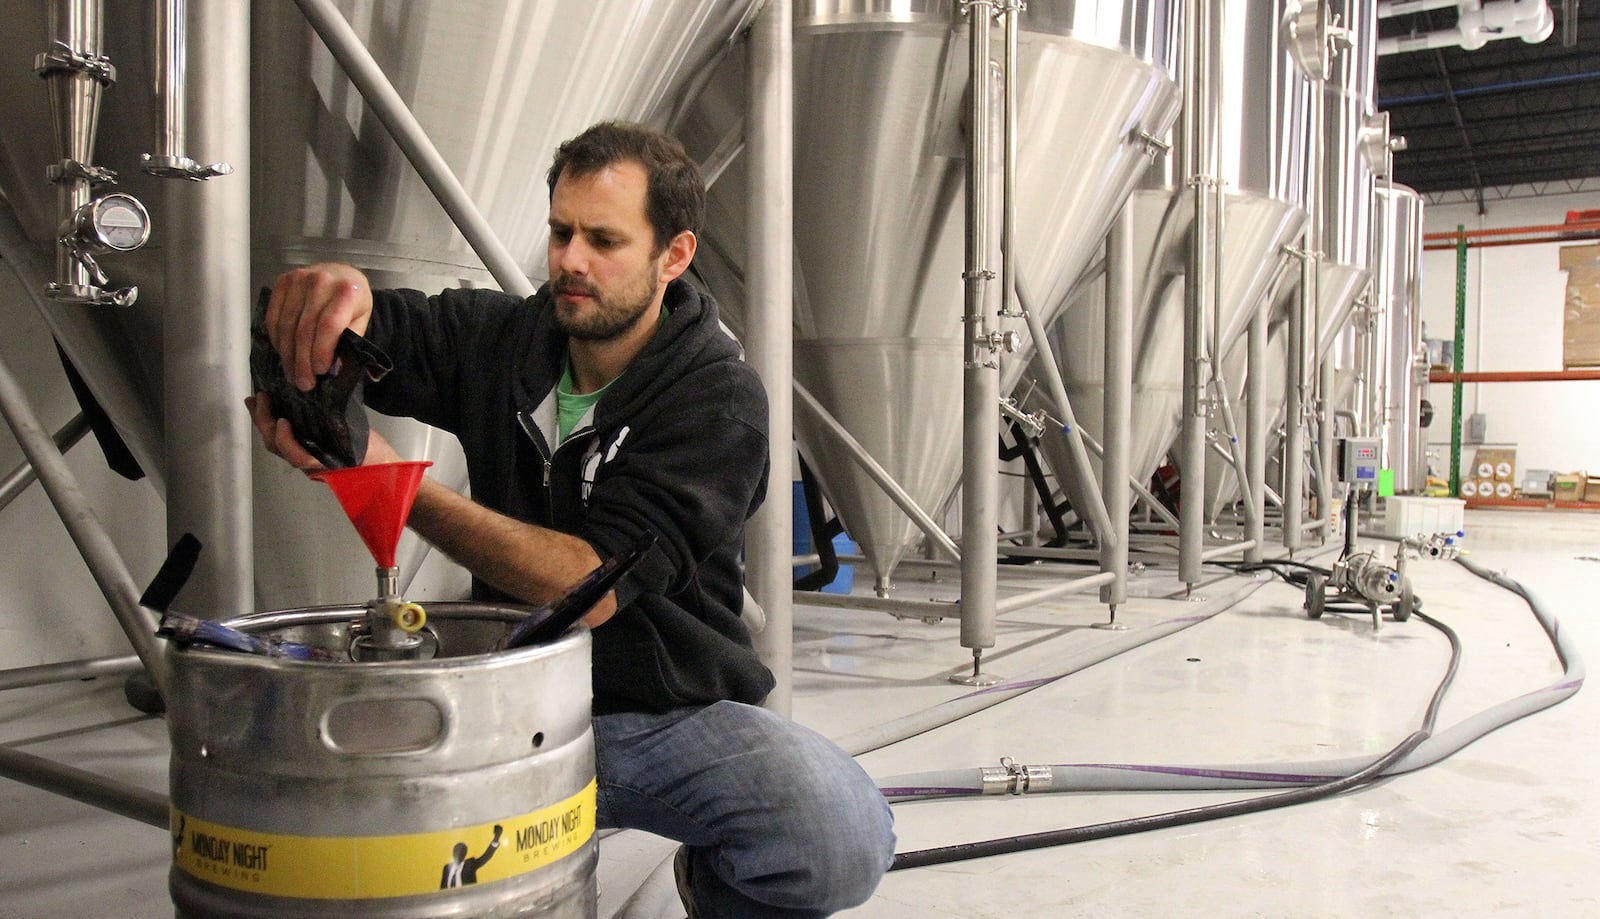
<point>922,858</point>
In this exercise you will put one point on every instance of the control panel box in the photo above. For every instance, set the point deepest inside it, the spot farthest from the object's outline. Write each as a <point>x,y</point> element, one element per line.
<point>1359,461</point>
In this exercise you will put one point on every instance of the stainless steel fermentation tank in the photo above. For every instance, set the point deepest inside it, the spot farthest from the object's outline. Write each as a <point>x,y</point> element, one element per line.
<point>1395,360</point>
<point>329,789</point>
<point>1260,132</point>
<point>1355,148</point>
<point>496,84</point>
<point>1356,152</point>
<point>1347,147</point>
<point>879,163</point>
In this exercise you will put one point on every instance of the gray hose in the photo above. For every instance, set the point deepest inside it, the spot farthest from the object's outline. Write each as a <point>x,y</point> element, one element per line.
<point>1132,777</point>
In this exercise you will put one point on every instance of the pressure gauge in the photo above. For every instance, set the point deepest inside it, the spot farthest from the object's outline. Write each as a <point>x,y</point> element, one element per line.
<point>116,221</point>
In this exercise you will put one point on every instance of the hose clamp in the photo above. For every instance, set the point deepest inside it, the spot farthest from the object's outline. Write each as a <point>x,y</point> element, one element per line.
<point>1011,778</point>
<point>61,58</point>
<point>181,167</point>
<point>74,171</point>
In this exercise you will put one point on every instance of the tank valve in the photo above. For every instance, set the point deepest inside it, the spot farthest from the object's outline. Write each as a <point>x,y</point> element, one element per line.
<point>1008,342</point>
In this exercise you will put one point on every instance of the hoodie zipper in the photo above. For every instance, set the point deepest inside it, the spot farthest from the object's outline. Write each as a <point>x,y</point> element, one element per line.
<point>525,420</point>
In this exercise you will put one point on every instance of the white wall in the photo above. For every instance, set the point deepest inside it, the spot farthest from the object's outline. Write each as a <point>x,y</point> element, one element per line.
<point>1514,298</point>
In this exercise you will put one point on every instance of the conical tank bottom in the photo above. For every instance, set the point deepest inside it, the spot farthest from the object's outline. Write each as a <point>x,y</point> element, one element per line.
<point>1157,395</point>
<point>901,400</point>
<point>880,127</point>
<point>1254,233</point>
<point>1338,286</point>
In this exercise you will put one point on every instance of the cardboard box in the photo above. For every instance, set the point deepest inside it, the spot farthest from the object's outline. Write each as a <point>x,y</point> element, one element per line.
<point>1591,491</point>
<point>1580,327</point>
<point>1496,463</point>
<point>1568,487</point>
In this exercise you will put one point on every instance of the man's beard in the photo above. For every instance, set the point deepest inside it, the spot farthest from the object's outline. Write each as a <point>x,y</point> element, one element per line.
<point>612,315</point>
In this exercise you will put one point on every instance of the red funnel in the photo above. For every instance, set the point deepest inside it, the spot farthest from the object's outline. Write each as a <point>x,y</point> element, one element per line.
<point>377,499</point>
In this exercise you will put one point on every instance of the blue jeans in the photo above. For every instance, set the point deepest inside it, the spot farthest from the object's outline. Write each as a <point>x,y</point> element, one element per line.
<point>779,822</point>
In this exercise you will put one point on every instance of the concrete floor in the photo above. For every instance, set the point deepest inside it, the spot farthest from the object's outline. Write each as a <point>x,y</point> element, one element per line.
<point>1507,826</point>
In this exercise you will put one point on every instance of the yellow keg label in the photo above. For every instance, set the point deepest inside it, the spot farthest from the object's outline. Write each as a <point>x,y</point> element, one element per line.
<point>368,867</point>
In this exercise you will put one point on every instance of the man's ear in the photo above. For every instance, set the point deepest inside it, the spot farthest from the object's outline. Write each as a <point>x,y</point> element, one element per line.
<point>677,256</point>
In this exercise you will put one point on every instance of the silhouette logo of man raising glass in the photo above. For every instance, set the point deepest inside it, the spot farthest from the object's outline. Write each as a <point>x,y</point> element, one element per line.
<point>462,870</point>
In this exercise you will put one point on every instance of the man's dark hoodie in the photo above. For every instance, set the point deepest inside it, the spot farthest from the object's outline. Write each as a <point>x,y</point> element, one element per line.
<point>677,444</point>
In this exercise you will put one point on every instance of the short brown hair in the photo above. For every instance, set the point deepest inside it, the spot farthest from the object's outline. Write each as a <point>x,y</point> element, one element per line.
<point>675,197</point>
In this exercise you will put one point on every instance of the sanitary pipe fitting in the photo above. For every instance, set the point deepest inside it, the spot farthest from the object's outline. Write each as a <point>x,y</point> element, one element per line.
<point>1010,778</point>
<point>170,70</point>
<point>1032,425</point>
<point>392,629</point>
<point>1153,145</point>
<point>116,222</point>
<point>64,59</point>
<point>76,73</point>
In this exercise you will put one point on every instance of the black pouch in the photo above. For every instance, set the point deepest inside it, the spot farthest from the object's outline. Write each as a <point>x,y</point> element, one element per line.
<point>329,421</point>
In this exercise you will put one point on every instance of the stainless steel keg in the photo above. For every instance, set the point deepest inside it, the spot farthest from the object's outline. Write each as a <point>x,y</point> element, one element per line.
<point>462,785</point>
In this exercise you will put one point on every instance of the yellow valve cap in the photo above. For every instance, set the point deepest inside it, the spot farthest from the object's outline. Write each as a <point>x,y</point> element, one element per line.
<point>410,616</point>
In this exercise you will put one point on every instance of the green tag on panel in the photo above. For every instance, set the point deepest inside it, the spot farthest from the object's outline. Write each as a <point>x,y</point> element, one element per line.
<point>1385,483</point>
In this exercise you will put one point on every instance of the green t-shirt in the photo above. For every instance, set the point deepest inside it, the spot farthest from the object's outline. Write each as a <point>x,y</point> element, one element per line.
<point>570,406</point>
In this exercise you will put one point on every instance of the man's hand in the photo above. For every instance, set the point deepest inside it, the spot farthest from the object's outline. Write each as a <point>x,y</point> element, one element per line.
<point>278,438</point>
<point>307,311</point>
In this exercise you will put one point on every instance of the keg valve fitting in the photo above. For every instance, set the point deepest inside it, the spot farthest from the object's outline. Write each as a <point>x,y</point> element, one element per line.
<point>392,624</point>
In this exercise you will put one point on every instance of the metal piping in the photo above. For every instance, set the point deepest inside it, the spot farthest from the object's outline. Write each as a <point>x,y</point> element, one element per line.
<point>23,476</point>
<point>88,534</point>
<point>1103,580</point>
<point>727,150</point>
<point>1008,163</point>
<point>170,23</point>
<point>805,401</point>
<point>1230,426</point>
<point>205,350</point>
<point>1255,426</point>
<point>1231,548</point>
<point>980,390</point>
<point>1302,321</point>
<point>1294,434</point>
<point>1118,398</point>
<point>1144,494</point>
<point>1095,514</point>
<point>1200,279</point>
<point>76,73</point>
<point>408,134</point>
<point>46,674</point>
<point>119,798</point>
<point>770,331</point>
